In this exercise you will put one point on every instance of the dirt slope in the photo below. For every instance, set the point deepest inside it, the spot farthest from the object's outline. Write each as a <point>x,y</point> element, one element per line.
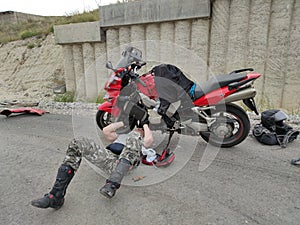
<point>30,73</point>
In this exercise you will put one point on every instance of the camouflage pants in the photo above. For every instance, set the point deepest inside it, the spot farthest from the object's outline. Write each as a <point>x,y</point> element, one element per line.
<point>101,157</point>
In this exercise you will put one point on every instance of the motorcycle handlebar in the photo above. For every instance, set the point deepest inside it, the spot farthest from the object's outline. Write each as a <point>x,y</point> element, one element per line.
<point>143,63</point>
<point>137,65</point>
<point>131,71</point>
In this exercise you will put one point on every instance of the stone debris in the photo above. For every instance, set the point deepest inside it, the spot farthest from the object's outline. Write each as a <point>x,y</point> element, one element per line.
<point>70,108</point>
<point>18,103</point>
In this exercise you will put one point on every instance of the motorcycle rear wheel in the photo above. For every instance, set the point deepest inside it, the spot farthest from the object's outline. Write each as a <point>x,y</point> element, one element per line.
<point>231,127</point>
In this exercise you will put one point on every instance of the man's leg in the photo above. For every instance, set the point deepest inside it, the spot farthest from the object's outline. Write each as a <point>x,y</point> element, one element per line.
<point>55,198</point>
<point>76,149</point>
<point>130,156</point>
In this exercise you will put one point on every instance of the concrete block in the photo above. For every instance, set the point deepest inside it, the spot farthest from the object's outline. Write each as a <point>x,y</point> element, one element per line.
<point>137,37</point>
<point>258,41</point>
<point>199,45</point>
<point>78,33</point>
<point>167,36</point>
<point>182,33</point>
<point>182,39</point>
<point>292,78</point>
<point>124,35</point>
<point>219,36</point>
<point>275,70</point>
<point>89,71</point>
<point>113,45</point>
<point>150,11</point>
<point>237,36</point>
<point>69,68</point>
<point>152,53</point>
<point>101,71</point>
<point>80,94</point>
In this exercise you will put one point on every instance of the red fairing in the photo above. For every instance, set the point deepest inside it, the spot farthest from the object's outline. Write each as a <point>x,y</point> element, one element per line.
<point>214,97</point>
<point>150,89</point>
<point>109,107</point>
<point>114,82</point>
<point>252,75</point>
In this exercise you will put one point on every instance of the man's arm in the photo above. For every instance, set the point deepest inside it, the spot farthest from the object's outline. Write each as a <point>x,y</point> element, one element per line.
<point>109,131</point>
<point>148,137</point>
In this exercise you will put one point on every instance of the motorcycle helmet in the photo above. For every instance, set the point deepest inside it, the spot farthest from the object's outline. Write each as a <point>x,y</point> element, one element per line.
<point>271,118</point>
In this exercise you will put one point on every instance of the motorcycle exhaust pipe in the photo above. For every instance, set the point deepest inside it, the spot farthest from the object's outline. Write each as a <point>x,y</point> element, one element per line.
<point>240,95</point>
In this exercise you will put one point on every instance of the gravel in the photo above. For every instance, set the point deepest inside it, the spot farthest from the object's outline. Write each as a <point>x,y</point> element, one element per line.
<point>90,109</point>
<point>68,108</point>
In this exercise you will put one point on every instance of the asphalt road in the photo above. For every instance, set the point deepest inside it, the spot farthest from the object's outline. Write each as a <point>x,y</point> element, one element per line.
<point>246,184</point>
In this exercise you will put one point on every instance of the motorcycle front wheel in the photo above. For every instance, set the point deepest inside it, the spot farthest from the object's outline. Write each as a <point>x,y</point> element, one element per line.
<point>103,119</point>
<point>231,127</point>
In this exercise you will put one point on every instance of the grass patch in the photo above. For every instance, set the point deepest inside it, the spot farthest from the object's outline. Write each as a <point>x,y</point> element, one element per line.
<point>100,99</point>
<point>27,34</point>
<point>77,17</point>
<point>30,46</point>
<point>22,30</point>
<point>66,97</point>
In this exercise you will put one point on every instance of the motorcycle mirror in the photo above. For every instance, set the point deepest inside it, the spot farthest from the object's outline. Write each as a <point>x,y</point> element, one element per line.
<point>109,65</point>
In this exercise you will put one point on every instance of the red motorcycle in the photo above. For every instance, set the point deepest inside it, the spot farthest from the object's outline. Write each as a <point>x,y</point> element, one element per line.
<point>214,115</point>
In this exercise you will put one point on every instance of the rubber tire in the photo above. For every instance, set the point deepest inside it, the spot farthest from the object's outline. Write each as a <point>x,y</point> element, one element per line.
<point>244,123</point>
<point>101,122</point>
<point>100,119</point>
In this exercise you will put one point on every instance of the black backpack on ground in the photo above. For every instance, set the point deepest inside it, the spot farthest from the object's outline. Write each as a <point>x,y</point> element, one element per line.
<point>272,130</point>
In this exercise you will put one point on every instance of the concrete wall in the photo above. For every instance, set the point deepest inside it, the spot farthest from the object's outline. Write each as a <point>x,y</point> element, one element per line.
<point>17,17</point>
<point>225,35</point>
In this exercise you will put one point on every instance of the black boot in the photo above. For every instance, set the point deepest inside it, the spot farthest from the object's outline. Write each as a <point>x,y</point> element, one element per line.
<point>114,181</point>
<point>55,199</point>
<point>49,200</point>
<point>109,189</point>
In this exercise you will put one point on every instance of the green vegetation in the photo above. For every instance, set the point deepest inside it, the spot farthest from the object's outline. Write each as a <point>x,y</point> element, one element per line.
<point>100,99</point>
<point>66,97</point>
<point>27,34</point>
<point>77,17</point>
<point>16,31</point>
<point>30,46</point>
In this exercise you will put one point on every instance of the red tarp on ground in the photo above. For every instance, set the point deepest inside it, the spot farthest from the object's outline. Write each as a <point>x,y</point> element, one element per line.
<point>7,112</point>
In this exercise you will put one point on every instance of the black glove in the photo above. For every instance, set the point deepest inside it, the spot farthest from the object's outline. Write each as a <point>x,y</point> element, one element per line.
<point>163,107</point>
<point>144,121</point>
<point>169,121</point>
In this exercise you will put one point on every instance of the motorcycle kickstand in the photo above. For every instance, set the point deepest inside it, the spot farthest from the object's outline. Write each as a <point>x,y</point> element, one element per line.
<point>166,158</point>
<point>169,140</point>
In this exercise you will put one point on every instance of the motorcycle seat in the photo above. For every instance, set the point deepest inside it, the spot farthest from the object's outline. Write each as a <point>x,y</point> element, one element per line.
<point>216,83</point>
